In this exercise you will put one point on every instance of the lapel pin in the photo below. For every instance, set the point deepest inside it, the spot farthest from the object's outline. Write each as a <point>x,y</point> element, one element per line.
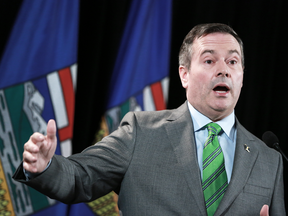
<point>247,148</point>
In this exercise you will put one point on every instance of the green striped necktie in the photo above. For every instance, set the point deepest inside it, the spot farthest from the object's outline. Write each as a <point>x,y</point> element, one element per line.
<point>214,181</point>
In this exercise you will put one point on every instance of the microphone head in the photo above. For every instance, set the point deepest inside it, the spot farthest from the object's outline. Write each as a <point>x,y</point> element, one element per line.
<point>270,138</point>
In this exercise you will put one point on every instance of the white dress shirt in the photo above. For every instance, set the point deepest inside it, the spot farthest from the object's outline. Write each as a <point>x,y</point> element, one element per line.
<point>227,140</point>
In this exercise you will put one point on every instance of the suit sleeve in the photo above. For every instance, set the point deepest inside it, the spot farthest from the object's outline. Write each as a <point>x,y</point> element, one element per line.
<point>277,206</point>
<point>96,171</point>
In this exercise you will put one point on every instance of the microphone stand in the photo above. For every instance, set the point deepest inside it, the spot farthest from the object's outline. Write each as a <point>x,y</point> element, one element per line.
<point>276,146</point>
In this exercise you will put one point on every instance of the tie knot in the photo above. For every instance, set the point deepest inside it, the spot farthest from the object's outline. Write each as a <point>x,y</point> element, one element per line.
<point>213,128</point>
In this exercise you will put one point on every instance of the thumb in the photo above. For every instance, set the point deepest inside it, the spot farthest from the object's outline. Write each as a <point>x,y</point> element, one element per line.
<point>51,130</point>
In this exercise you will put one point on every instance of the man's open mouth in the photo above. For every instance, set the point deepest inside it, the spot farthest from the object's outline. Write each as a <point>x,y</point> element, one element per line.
<point>221,89</point>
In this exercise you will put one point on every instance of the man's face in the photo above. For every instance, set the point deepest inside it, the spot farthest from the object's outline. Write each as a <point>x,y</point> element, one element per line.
<point>214,80</point>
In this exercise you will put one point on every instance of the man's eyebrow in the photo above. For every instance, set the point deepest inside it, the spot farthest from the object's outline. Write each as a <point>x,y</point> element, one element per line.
<point>207,51</point>
<point>234,51</point>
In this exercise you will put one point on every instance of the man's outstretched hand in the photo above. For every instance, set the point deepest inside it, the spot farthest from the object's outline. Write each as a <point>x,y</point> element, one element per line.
<point>40,149</point>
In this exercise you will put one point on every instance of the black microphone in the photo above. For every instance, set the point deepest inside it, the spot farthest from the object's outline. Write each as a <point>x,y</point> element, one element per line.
<point>272,141</point>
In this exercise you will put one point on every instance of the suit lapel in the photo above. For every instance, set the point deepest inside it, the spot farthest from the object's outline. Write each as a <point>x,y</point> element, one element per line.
<point>243,164</point>
<point>180,131</point>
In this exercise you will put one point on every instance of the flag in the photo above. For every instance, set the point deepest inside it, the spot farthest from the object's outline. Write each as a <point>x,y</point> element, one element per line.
<point>38,74</point>
<point>140,78</point>
<point>38,79</point>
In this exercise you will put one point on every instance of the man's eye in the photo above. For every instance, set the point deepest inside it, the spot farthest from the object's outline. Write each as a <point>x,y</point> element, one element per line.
<point>208,61</point>
<point>233,62</point>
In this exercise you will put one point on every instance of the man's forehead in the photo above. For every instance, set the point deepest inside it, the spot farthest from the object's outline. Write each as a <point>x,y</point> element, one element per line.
<point>211,51</point>
<point>214,41</point>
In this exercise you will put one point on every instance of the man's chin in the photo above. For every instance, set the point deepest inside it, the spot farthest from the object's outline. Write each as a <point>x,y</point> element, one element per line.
<point>219,112</point>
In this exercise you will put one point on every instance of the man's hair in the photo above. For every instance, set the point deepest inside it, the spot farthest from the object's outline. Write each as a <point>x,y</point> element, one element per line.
<point>198,31</point>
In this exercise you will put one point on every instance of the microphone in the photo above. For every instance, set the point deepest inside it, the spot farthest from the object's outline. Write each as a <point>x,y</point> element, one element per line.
<point>272,141</point>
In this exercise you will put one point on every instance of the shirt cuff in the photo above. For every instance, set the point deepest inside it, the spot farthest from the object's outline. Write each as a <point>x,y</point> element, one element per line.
<point>30,175</point>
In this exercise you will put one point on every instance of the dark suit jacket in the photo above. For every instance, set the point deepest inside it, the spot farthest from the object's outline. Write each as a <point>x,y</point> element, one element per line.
<point>151,162</point>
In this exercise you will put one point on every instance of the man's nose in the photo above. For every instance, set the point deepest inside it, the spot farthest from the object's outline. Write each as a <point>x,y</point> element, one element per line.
<point>223,70</point>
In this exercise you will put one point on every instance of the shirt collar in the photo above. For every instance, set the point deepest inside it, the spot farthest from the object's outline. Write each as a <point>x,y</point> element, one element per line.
<point>200,120</point>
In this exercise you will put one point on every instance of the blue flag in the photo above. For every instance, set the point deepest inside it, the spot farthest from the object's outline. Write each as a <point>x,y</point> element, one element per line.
<point>141,74</point>
<point>38,80</point>
<point>140,77</point>
<point>37,83</point>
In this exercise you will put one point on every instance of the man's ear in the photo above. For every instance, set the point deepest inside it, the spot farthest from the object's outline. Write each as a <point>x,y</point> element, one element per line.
<point>184,75</point>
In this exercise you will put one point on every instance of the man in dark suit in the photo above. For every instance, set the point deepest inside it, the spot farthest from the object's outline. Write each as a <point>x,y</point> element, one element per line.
<point>154,159</point>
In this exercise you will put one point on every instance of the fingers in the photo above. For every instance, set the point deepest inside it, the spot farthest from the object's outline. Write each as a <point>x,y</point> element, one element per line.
<point>32,147</point>
<point>34,159</point>
<point>37,138</point>
<point>43,142</point>
<point>30,167</point>
<point>30,159</point>
<point>40,149</point>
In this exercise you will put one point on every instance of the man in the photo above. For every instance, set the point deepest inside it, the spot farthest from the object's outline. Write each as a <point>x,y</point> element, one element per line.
<point>154,159</point>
